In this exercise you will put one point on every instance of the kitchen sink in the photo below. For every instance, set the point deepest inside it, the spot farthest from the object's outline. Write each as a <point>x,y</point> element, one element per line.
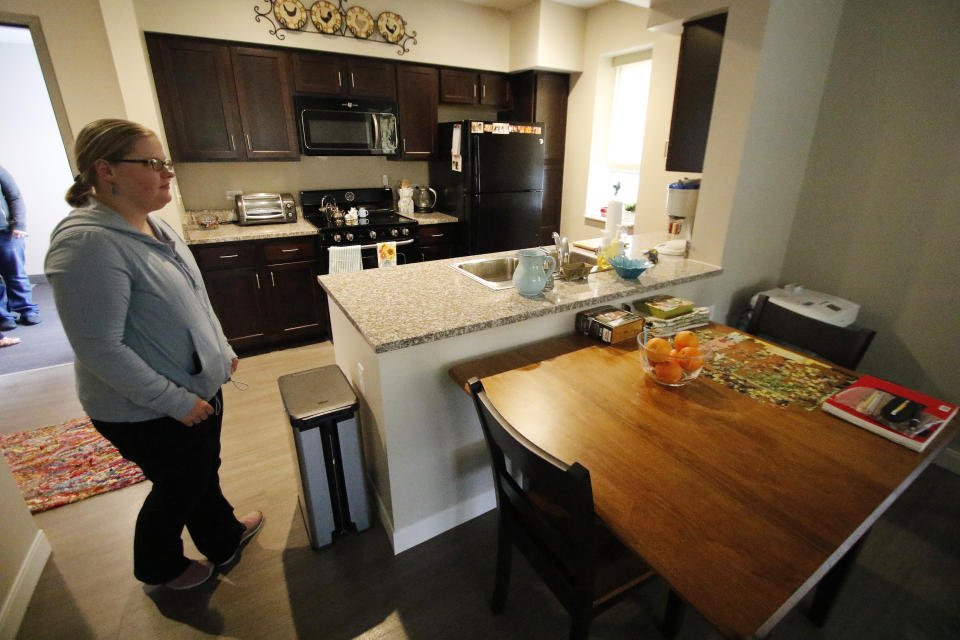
<point>497,273</point>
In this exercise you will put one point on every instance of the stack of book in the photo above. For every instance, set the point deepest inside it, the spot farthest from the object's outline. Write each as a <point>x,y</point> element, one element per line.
<point>666,315</point>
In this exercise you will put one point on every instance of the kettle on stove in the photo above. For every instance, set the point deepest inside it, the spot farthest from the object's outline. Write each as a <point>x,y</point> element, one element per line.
<point>424,199</point>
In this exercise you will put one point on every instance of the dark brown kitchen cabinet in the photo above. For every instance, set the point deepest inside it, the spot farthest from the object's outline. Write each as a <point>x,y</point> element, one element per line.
<point>437,241</point>
<point>697,67</point>
<point>266,110</point>
<point>494,90</point>
<point>417,100</point>
<point>462,86</point>
<point>338,75</point>
<point>222,102</point>
<point>540,96</point>
<point>265,292</point>
<point>458,86</point>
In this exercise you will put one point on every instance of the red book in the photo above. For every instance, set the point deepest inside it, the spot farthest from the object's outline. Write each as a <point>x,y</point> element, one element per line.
<point>905,416</point>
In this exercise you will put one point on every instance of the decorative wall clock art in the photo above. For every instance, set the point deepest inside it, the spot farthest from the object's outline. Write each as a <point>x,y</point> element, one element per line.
<point>332,19</point>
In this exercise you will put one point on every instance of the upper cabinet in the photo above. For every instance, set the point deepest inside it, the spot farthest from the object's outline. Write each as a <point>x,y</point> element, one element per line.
<point>697,67</point>
<point>343,76</point>
<point>462,86</point>
<point>417,99</point>
<point>221,102</point>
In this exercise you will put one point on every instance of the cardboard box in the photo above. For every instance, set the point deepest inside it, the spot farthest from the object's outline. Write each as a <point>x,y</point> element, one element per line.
<point>609,324</point>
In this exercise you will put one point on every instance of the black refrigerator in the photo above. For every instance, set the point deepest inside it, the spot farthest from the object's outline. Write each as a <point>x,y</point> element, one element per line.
<point>497,193</point>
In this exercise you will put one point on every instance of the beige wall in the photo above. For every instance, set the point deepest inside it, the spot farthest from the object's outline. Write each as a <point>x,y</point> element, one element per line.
<point>449,33</point>
<point>877,217</point>
<point>613,29</point>
<point>77,44</point>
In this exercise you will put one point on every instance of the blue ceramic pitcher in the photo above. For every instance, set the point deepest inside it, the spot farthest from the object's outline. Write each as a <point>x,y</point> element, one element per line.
<point>530,276</point>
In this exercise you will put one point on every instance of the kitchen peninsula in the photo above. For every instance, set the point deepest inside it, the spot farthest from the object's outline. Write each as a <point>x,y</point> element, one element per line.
<point>396,334</point>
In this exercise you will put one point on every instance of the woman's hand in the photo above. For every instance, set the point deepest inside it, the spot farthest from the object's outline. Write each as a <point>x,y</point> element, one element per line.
<point>200,412</point>
<point>233,365</point>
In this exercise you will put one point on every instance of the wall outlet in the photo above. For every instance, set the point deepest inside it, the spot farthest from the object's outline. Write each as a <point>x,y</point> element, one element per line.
<point>232,193</point>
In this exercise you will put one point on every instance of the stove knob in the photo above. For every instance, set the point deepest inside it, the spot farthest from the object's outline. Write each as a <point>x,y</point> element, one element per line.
<point>373,235</point>
<point>394,233</point>
<point>349,237</point>
<point>406,231</point>
<point>336,237</point>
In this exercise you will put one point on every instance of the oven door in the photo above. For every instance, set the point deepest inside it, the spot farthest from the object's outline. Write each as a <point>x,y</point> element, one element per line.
<point>407,252</point>
<point>326,132</point>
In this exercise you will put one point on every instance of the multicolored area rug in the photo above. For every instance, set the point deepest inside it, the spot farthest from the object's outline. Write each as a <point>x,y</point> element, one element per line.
<point>65,463</point>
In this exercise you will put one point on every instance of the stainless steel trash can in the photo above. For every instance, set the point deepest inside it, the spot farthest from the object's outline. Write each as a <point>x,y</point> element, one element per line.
<point>322,409</point>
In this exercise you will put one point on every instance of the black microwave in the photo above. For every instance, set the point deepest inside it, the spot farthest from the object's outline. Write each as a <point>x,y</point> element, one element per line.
<point>346,126</point>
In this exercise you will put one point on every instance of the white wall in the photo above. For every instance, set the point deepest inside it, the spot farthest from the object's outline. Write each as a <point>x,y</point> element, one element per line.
<point>877,220</point>
<point>31,148</point>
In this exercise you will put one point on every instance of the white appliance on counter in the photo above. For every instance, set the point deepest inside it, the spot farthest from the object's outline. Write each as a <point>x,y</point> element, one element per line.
<point>813,304</point>
<point>681,207</point>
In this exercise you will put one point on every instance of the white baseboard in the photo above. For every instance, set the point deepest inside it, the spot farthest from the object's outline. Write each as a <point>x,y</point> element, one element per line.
<point>15,605</point>
<point>436,524</point>
<point>949,459</point>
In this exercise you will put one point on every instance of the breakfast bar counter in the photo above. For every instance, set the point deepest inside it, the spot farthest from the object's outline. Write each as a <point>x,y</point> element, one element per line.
<point>396,334</point>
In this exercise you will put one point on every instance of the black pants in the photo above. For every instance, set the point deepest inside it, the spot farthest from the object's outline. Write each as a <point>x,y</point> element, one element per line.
<point>182,463</point>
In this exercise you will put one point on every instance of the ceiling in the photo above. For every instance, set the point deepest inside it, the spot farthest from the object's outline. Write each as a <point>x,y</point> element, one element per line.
<point>510,5</point>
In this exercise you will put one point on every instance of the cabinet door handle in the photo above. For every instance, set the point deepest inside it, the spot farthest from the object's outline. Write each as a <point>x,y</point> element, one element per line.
<point>474,90</point>
<point>437,235</point>
<point>272,281</point>
<point>483,94</point>
<point>232,255</point>
<point>339,80</point>
<point>257,276</point>
<point>233,145</point>
<point>249,146</point>
<point>353,82</point>
<point>289,250</point>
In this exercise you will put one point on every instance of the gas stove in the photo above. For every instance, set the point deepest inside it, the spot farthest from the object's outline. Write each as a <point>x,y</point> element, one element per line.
<point>381,224</point>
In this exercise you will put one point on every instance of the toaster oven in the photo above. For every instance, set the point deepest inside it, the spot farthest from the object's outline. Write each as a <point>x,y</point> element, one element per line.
<point>265,208</point>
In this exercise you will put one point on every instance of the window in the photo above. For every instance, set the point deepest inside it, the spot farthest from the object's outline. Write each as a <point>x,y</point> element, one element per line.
<point>627,120</point>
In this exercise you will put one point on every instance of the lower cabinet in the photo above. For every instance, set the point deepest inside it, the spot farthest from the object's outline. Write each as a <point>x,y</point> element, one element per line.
<point>437,241</point>
<point>265,292</point>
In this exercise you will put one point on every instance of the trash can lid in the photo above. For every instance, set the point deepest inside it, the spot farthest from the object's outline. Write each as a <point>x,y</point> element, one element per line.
<point>316,393</point>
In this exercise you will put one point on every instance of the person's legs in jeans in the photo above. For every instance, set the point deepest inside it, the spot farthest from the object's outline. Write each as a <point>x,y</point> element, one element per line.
<point>182,462</point>
<point>16,293</point>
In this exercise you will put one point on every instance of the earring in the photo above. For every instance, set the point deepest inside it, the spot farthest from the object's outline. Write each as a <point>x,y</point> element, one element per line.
<point>113,190</point>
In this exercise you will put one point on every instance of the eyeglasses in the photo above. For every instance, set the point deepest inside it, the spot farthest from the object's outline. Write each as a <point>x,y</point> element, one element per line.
<point>156,164</point>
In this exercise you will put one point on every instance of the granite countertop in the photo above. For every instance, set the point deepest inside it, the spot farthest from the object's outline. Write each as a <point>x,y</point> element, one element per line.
<point>435,217</point>
<point>422,302</point>
<point>230,232</point>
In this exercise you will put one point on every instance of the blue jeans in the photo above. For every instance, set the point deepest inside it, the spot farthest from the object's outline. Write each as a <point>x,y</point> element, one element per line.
<point>15,288</point>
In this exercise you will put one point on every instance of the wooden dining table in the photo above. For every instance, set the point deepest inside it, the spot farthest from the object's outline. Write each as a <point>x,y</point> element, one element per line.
<point>741,504</point>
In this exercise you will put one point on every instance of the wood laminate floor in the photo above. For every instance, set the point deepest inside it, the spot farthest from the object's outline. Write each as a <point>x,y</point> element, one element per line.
<point>906,583</point>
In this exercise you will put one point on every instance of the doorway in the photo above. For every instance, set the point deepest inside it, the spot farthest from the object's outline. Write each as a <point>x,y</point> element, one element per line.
<point>32,150</point>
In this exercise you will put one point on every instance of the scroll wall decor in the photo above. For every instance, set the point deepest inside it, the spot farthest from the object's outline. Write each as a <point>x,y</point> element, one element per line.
<point>332,19</point>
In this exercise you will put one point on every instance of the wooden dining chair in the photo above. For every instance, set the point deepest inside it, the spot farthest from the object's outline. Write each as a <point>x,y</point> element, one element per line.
<point>843,345</point>
<point>549,516</point>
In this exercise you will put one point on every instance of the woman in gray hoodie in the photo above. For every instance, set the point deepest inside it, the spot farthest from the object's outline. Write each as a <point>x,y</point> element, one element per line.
<point>150,354</point>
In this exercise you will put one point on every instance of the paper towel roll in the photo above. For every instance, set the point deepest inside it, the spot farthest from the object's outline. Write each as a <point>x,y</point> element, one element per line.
<point>614,215</point>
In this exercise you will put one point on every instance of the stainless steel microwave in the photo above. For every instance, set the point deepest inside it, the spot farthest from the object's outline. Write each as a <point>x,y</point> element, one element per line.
<point>346,126</point>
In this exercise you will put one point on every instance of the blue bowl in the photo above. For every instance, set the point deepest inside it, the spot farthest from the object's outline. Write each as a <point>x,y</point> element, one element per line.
<point>630,269</point>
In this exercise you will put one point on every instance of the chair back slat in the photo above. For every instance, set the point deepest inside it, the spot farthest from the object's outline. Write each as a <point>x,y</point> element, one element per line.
<point>550,508</point>
<point>843,345</point>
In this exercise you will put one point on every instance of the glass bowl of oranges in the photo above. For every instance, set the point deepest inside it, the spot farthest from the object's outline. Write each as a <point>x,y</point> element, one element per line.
<point>673,362</point>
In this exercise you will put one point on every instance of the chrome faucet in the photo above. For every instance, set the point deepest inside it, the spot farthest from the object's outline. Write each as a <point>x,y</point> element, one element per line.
<point>563,250</point>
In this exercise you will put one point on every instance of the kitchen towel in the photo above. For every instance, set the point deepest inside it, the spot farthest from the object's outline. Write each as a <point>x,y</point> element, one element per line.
<point>387,254</point>
<point>614,216</point>
<point>345,259</point>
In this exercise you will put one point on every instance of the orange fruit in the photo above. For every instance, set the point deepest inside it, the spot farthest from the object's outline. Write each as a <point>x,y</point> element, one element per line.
<point>668,371</point>
<point>657,349</point>
<point>686,339</point>
<point>690,358</point>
